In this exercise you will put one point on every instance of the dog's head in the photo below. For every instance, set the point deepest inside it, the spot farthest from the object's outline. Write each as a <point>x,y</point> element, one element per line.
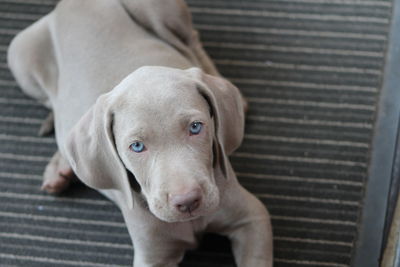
<point>163,133</point>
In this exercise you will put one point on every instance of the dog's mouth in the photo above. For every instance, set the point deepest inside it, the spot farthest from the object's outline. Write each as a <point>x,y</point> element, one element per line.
<point>189,217</point>
<point>172,215</point>
<point>179,217</point>
<point>201,200</point>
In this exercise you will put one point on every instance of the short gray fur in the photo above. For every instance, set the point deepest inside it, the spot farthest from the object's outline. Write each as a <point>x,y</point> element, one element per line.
<point>312,71</point>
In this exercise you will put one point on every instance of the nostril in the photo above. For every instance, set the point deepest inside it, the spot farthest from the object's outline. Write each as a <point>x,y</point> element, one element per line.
<point>189,207</point>
<point>182,208</point>
<point>186,202</point>
<point>194,205</point>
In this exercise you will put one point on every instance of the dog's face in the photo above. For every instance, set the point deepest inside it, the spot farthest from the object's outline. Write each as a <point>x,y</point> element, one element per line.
<point>164,134</point>
<point>171,129</point>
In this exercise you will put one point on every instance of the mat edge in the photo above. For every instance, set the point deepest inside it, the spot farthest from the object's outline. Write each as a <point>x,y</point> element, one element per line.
<point>369,243</point>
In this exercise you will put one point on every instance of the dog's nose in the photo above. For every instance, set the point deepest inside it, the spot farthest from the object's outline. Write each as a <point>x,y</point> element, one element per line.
<point>187,202</point>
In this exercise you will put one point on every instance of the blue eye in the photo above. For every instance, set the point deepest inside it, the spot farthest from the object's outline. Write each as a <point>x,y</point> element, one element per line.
<point>137,146</point>
<point>195,127</point>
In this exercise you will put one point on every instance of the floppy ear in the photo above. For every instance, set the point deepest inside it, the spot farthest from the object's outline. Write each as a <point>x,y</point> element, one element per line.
<point>91,151</point>
<point>227,109</point>
<point>227,105</point>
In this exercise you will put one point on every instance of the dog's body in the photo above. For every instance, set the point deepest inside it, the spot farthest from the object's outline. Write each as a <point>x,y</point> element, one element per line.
<point>180,183</point>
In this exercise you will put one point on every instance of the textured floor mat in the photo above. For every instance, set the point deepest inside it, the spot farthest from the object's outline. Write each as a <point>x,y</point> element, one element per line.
<point>311,70</point>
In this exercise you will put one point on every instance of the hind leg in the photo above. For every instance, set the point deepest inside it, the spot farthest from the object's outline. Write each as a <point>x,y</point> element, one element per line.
<point>58,175</point>
<point>47,126</point>
<point>171,21</point>
<point>31,60</point>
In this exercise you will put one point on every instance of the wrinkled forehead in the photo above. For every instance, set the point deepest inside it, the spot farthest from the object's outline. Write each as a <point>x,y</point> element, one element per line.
<point>159,94</point>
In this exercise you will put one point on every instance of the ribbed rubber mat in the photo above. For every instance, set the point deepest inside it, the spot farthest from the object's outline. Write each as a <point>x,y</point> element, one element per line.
<point>311,71</point>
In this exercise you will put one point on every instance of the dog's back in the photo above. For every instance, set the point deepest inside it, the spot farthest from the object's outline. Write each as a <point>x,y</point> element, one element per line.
<point>88,48</point>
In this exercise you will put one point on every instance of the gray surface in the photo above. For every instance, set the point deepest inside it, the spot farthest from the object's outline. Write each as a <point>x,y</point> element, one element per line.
<point>382,156</point>
<point>311,70</point>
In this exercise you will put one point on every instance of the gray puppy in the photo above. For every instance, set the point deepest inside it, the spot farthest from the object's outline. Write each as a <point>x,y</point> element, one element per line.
<point>156,143</point>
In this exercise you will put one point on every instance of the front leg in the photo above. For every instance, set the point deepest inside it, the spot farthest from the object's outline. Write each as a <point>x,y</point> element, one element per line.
<point>246,222</point>
<point>156,243</point>
<point>251,237</point>
<point>156,254</point>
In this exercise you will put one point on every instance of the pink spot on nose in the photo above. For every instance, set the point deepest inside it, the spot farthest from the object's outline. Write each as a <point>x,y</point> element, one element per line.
<point>187,202</point>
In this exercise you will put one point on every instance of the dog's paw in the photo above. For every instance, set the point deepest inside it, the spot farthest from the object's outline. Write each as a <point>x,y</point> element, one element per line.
<point>57,176</point>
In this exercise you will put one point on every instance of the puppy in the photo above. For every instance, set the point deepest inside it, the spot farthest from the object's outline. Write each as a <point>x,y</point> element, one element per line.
<point>142,115</point>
